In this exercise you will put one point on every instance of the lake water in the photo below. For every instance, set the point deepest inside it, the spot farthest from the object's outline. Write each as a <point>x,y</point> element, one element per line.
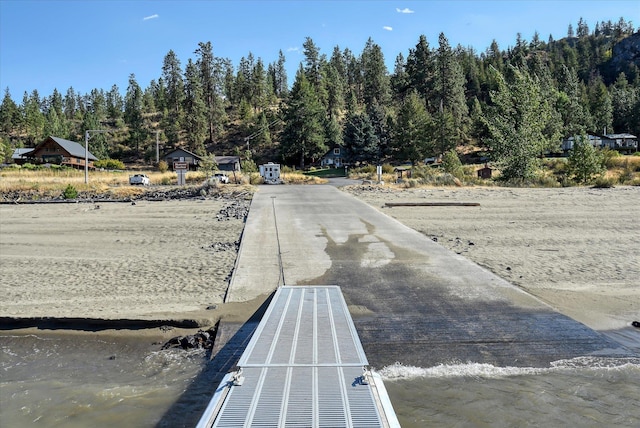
<point>81,381</point>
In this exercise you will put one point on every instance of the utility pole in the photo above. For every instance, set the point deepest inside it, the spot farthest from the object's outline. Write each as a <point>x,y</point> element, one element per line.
<point>157,147</point>
<point>86,151</point>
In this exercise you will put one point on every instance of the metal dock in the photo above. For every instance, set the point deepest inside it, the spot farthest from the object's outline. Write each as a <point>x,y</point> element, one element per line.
<point>303,367</point>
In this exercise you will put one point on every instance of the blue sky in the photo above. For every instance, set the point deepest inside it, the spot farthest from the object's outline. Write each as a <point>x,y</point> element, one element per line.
<point>89,44</point>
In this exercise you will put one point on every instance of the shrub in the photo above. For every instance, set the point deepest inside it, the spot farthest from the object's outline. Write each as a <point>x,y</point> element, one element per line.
<point>166,180</point>
<point>109,164</point>
<point>248,166</point>
<point>585,161</point>
<point>424,173</point>
<point>451,163</point>
<point>603,183</point>
<point>609,157</point>
<point>163,166</point>
<point>387,168</point>
<point>255,178</point>
<point>70,192</point>
<point>366,169</point>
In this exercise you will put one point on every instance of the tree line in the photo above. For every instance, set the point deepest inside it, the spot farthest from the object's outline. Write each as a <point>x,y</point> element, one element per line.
<point>513,104</point>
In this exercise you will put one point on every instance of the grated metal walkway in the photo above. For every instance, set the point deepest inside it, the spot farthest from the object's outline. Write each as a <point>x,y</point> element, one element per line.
<point>304,367</point>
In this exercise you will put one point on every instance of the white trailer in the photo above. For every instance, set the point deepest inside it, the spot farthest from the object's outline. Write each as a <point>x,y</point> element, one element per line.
<point>270,172</point>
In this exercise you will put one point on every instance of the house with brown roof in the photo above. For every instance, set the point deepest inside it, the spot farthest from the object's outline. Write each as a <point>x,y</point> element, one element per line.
<point>225,163</point>
<point>58,151</point>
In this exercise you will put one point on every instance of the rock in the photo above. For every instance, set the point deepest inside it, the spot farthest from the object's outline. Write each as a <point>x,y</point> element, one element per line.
<point>201,340</point>
<point>171,343</point>
<point>188,342</point>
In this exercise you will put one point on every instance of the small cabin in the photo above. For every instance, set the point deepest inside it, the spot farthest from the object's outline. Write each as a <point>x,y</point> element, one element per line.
<point>485,173</point>
<point>182,155</point>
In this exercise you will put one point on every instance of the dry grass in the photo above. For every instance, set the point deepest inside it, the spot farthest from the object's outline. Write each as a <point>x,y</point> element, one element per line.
<point>51,182</point>
<point>297,178</point>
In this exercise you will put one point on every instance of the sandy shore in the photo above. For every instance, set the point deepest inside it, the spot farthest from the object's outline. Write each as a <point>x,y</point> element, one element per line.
<point>151,260</point>
<point>574,248</point>
<point>578,249</point>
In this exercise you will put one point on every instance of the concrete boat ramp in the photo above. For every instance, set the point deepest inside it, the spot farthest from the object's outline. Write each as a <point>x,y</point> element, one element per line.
<point>412,301</point>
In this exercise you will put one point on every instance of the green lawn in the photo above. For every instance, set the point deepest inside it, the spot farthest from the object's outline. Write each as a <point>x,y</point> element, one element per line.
<point>326,172</point>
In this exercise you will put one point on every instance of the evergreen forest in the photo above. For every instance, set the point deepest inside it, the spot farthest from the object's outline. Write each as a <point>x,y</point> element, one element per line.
<point>509,105</point>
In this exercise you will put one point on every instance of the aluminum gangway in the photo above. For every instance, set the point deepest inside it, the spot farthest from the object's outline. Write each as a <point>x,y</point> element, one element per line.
<point>303,367</point>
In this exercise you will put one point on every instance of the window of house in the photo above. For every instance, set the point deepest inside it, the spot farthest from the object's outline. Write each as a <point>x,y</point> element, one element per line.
<point>336,151</point>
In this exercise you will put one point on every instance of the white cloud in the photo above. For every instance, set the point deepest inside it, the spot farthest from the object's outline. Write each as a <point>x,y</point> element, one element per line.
<point>154,16</point>
<point>386,27</point>
<point>296,49</point>
<point>405,10</point>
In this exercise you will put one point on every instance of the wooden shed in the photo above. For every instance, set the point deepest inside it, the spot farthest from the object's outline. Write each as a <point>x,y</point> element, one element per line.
<point>485,172</point>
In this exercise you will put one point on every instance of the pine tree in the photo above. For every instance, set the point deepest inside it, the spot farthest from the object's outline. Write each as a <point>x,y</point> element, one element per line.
<point>624,99</point>
<point>280,84</point>
<point>69,104</point>
<point>115,103</point>
<point>33,117</point>
<point>9,114</point>
<point>173,119</point>
<point>452,114</point>
<point>195,123</point>
<point>312,62</point>
<point>375,75</point>
<point>399,79</point>
<point>332,133</point>
<point>133,114</point>
<point>380,122</point>
<point>421,68</point>
<point>360,140</point>
<point>98,145</point>
<point>210,70</point>
<point>261,92</point>
<point>575,117</point>
<point>96,103</point>
<point>600,106</point>
<point>334,88</point>
<point>55,125</point>
<point>303,134</point>
<point>412,137</point>
<point>585,161</point>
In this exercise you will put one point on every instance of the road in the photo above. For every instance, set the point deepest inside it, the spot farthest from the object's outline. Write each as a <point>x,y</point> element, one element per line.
<point>412,300</point>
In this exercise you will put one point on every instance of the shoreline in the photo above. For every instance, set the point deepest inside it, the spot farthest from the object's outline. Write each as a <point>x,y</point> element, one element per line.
<point>526,236</point>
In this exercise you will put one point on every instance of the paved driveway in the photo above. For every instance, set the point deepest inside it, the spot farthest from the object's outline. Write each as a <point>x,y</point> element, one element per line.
<point>412,301</point>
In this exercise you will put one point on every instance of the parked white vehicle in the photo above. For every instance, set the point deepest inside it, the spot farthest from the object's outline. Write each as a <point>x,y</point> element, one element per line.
<point>139,179</point>
<point>221,177</point>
